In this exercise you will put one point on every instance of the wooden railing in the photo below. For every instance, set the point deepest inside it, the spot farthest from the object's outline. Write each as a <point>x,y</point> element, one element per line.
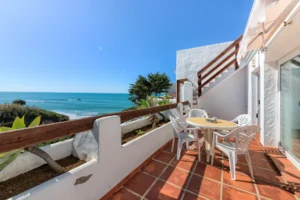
<point>213,72</point>
<point>178,82</point>
<point>19,139</point>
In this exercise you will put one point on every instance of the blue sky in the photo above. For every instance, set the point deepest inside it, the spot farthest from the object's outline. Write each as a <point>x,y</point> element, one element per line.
<point>102,46</point>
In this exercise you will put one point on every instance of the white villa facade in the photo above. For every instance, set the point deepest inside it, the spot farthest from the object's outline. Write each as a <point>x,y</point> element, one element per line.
<point>267,83</point>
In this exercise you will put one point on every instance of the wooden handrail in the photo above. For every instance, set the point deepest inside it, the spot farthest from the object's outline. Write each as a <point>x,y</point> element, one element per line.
<point>216,74</point>
<point>221,61</point>
<point>22,138</point>
<point>221,54</point>
<point>218,65</point>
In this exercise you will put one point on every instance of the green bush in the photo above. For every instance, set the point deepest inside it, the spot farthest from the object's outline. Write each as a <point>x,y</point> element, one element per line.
<point>19,102</point>
<point>8,113</point>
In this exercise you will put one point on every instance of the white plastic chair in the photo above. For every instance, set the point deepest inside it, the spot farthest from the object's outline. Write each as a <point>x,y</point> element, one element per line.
<point>198,113</point>
<point>243,136</point>
<point>241,120</point>
<point>183,135</point>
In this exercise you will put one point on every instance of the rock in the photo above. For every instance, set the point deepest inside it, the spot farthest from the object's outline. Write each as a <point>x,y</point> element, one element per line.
<point>85,147</point>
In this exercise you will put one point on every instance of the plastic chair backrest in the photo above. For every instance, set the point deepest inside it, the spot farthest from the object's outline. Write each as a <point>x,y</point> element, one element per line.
<point>242,120</point>
<point>175,125</point>
<point>198,113</point>
<point>243,136</point>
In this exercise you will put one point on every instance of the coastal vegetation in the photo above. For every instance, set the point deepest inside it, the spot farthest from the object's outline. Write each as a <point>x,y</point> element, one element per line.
<point>156,84</point>
<point>19,102</point>
<point>8,157</point>
<point>8,113</point>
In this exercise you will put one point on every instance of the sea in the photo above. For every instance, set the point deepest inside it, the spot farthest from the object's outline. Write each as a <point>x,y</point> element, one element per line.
<point>74,105</point>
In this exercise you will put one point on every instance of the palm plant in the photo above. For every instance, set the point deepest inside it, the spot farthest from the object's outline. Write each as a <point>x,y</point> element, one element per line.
<point>150,102</point>
<point>8,157</point>
<point>165,100</point>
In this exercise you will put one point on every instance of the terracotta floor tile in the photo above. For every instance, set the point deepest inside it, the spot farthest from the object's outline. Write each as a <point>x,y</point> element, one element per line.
<point>272,191</point>
<point>193,153</point>
<point>189,196</point>
<point>164,157</point>
<point>208,171</point>
<point>204,187</point>
<point>140,183</point>
<point>267,175</point>
<point>242,182</point>
<point>176,176</point>
<point>164,191</point>
<point>184,163</point>
<point>169,148</point>
<point>154,168</point>
<point>230,193</point>
<point>258,172</point>
<point>123,194</point>
<point>256,162</point>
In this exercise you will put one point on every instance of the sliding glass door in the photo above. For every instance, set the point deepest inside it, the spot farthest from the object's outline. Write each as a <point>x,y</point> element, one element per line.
<point>290,106</point>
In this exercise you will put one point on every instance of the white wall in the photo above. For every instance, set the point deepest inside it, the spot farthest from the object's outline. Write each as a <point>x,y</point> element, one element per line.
<point>133,125</point>
<point>228,99</point>
<point>27,161</point>
<point>270,105</point>
<point>190,61</point>
<point>115,162</point>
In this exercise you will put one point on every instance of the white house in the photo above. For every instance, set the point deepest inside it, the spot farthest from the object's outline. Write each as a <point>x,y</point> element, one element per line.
<point>266,84</point>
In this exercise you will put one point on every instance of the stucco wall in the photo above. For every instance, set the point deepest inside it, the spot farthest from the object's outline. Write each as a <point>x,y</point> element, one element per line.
<point>190,61</point>
<point>27,161</point>
<point>228,99</point>
<point>270,105</point>
<point>115,161</point>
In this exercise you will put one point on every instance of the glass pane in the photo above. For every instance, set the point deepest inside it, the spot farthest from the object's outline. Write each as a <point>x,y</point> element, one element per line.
<point>290,106</point>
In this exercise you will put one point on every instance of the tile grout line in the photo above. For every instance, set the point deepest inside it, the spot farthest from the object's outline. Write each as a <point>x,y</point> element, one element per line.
<point>125,188</point>
<point>189,180</point>
<point>295,196</point>
<point>158,177</point>
<point>192,173</point>
<point>222,175</point>
<point>185,190</point>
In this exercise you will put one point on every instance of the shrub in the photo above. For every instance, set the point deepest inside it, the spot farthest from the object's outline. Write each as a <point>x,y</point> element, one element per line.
<point>19,102</point>
<point>8,113</point>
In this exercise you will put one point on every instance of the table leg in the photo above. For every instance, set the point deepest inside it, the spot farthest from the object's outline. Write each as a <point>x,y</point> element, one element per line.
<point>208,144</point>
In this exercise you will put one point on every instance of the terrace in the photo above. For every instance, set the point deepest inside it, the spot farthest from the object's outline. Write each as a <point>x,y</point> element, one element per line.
<point>166,178</point>
<point>145,168</point>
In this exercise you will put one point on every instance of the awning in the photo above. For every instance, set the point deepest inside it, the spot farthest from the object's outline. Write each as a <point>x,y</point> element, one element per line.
<point>265,18</point>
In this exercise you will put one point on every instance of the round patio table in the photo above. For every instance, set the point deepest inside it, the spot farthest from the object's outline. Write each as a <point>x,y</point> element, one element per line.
<point>220,124</point>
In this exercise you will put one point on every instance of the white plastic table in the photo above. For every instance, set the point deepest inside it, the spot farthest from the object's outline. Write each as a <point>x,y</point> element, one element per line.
<point>220,124</point>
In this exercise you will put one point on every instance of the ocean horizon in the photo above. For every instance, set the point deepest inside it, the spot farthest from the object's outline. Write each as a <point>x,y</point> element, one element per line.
<point>74,105</point>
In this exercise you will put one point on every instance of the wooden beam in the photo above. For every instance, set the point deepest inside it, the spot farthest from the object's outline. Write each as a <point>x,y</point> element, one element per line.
<point>22,138</point>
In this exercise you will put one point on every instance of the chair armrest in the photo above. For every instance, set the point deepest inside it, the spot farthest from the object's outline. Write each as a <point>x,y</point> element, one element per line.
<point>220,135</point>
<point>191,129</point>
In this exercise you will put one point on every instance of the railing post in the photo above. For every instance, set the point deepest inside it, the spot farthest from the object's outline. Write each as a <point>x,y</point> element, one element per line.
<point>236,63</point>
<point>199,84</point>
<point>178,91</point>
